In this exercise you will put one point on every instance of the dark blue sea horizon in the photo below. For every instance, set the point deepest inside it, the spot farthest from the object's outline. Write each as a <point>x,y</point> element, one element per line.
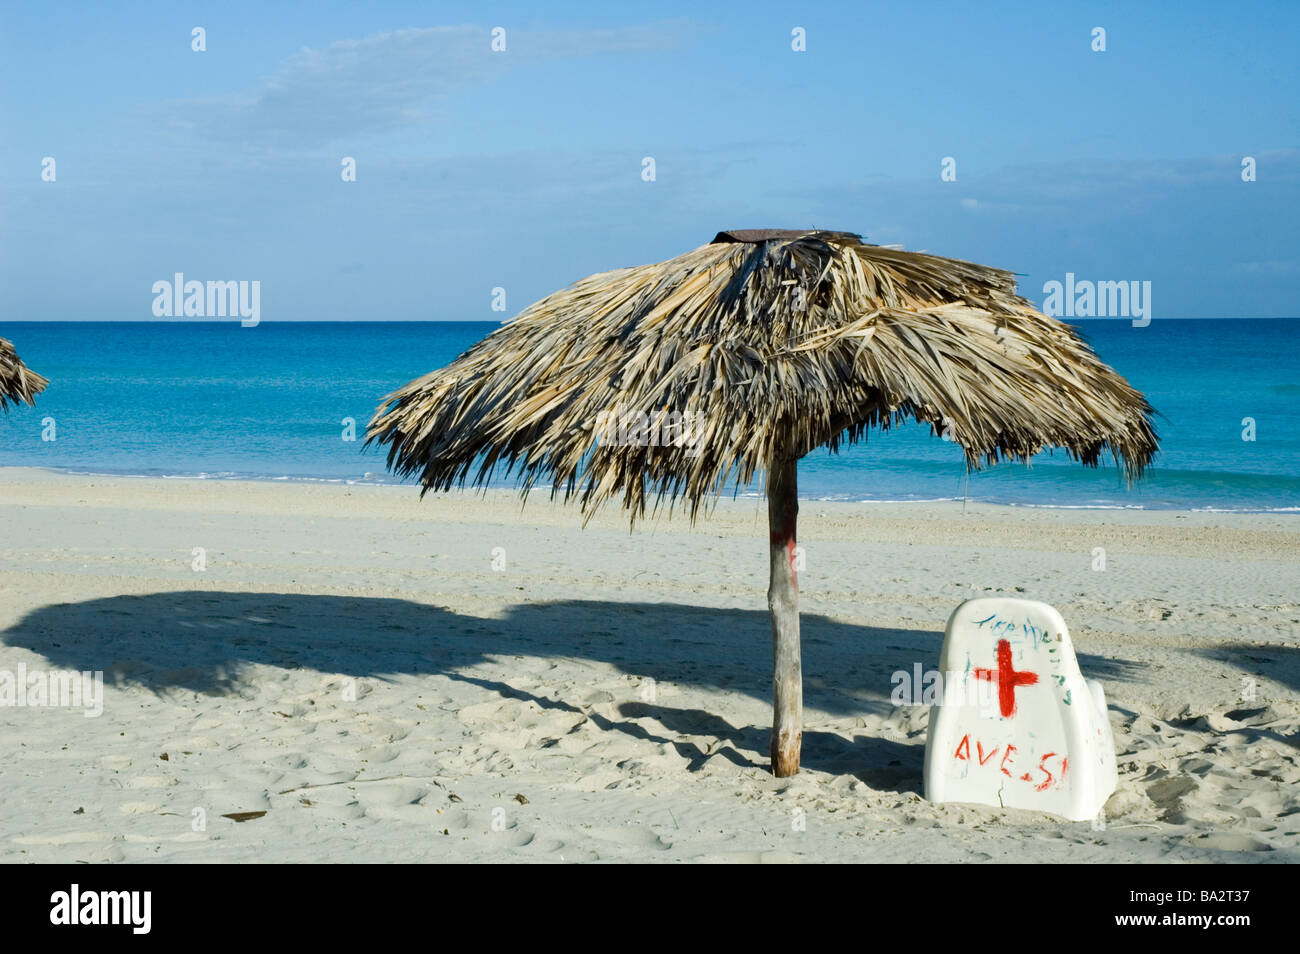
<point>218,401</point>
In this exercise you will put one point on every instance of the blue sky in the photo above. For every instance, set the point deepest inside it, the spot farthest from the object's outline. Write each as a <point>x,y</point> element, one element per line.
<point>523,169</point>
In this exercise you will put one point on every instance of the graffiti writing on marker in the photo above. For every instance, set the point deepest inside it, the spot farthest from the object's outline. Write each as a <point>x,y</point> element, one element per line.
<point>1028,628</point>
<point>1007,764</point>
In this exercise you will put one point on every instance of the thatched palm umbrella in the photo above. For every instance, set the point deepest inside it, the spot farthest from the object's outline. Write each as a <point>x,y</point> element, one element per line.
<point>767,344</point>
<point>17,381</point>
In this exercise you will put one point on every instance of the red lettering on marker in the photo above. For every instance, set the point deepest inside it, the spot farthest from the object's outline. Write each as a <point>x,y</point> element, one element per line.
<point>979,746</point>
<point>1042,768</point>
<point>1010,749</point>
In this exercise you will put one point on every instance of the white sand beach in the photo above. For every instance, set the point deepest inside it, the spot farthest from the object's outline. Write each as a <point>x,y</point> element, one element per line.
<point>350,663</point>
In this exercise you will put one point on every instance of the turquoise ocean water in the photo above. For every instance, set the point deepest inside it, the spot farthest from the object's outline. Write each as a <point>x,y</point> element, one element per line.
<point>215,400</point>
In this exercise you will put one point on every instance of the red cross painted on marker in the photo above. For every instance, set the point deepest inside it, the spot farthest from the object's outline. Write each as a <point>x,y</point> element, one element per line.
<point>1007,679</point>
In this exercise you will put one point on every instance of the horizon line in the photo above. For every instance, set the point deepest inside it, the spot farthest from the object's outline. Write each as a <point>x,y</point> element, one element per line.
<point>501,321</point>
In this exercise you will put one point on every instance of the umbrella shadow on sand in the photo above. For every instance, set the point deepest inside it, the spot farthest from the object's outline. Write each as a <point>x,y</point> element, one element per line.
<point>203,640</point>
<point>1279,663</point>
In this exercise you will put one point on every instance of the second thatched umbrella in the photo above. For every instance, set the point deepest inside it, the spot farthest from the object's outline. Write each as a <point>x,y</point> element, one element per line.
<point>17,381</point>
<point>670,381</point>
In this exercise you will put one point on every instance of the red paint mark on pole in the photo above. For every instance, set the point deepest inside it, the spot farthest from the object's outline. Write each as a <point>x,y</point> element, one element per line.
<point>963,744</point>
<point>1007,679</point>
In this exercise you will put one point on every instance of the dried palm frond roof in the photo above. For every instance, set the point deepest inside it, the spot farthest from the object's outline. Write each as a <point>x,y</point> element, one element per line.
<point>17,381</point>
<point>766,344</point>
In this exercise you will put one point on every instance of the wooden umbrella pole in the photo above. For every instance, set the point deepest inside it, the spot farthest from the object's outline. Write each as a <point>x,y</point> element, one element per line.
<point>783,605</point>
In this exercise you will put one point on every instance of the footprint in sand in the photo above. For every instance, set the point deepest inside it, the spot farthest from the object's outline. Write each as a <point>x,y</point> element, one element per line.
<point>630,837</point>
<point>1167,795</point>
<point>1225,841</point>
<point>400,800</point>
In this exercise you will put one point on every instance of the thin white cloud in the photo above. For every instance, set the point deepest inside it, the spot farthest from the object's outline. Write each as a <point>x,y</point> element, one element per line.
<point>1270,267</point>
<point>391,80</point>
<point>1020,186</point>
